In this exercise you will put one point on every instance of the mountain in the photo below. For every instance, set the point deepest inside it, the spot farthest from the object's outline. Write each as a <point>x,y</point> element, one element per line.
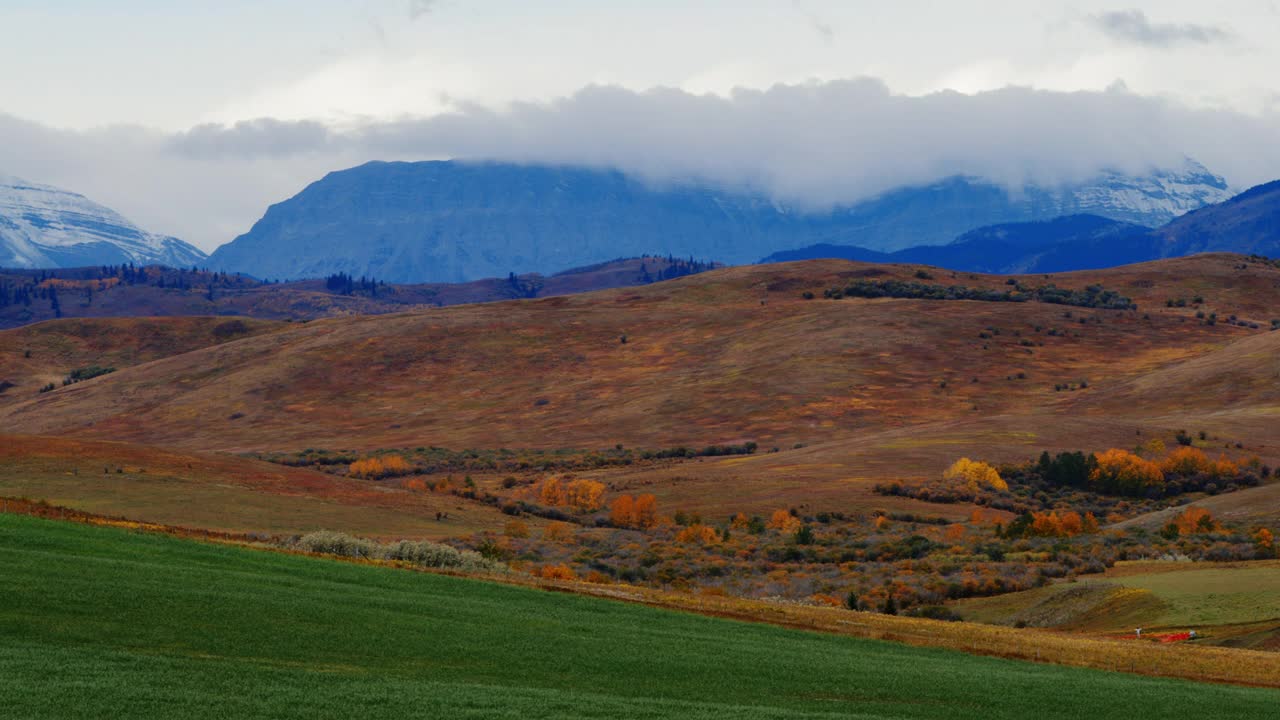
<point>1073,242</point>
<point>455,221</point>
<point>1248,223</point>
<point>936,214</point>
<point>47,227</point>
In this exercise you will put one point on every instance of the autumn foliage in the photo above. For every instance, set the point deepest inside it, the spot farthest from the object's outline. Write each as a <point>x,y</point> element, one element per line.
<point>784,521</point>
<point>380,467</point>
<point>583,495</point>
<point>1121,472</point>
<point>640,512</point>
<point>975,474</point>
<point>1067,524</point>
<point>698,535</point>
<point>1194,520</point>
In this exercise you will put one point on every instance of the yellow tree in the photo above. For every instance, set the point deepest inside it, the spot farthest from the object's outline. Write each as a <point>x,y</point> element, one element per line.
<point>975,474</point>
<point>584,495</point>
<point>552,493</point>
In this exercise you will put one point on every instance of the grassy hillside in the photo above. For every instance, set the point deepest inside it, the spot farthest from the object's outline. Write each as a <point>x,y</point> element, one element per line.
<point>1229,604</point>
<point>106,623</point>
<point>36,355</point>
<point>726,356</point>
<point>219,492</point>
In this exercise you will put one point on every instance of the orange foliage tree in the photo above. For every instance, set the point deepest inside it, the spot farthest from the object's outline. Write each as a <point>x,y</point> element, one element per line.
<point>1120,472</point>
<point>638,512</point>
<point>1068,524</point>
<point>646,511</point>
<point>622,512</point>
<point>1185,460</point>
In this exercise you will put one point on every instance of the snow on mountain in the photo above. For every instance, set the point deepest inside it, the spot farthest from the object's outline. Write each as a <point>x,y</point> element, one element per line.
<point>46,226</point>
<point>450,221</point>
<point>1154,199</point>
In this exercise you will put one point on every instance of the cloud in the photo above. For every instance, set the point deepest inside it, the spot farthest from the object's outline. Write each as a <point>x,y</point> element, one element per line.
<point>419,8</point>
<point>813,145</point>
<point>819,26</point>
<point>1133,27</point>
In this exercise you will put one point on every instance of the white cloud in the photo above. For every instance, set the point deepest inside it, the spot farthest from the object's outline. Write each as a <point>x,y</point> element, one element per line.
<point>814,144</point>
<point>1133,26</point>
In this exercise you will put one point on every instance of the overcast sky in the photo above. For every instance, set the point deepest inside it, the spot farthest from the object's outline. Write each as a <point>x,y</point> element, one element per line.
<point>191,118</point>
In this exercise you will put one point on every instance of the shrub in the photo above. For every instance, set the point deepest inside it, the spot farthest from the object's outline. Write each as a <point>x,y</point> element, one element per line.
<point>423,553</point>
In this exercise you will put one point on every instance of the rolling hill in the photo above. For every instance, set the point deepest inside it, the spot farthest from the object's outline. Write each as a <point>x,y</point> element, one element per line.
<point>727,356</point>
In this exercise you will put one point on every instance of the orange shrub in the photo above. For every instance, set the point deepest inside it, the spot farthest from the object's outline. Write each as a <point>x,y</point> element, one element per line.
<point>698,535</point>
<point>516,529</point>
<point>557,531</point>
<point>557,572</point>
<point>784,521</point>
<point>380,467</point>
<point>1195,520</point>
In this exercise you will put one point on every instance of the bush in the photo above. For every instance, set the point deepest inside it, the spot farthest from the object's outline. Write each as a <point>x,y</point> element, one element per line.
<point>328,542</point>
<point>422,553</point>
<point>934,612</point>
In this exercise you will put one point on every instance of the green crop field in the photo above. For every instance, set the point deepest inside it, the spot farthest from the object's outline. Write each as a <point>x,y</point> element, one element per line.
<point>100,622</point>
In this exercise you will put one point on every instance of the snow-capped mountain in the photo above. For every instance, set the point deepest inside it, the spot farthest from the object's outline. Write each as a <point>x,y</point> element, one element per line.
<point>455,221</point>
<point>42,226</point>
<point>1154,199</point>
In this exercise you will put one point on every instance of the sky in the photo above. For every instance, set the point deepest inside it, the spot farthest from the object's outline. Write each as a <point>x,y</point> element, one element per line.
<point>191,118</point>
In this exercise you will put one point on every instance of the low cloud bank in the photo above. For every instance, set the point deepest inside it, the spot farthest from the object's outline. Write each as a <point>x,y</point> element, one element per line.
<point>813,145</point>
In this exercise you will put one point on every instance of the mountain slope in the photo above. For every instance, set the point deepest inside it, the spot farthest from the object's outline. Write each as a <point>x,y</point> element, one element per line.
<point>42,226</point>
<point>1247,223</point>
<point>455,221</point>
<point>1073,242</point>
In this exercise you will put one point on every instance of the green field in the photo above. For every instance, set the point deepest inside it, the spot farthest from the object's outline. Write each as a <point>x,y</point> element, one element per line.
<point>100,622</point>
<point>1184,597</point>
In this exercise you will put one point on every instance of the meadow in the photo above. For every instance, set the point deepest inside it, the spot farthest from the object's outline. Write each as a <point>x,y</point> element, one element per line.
<point>103,622</point>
